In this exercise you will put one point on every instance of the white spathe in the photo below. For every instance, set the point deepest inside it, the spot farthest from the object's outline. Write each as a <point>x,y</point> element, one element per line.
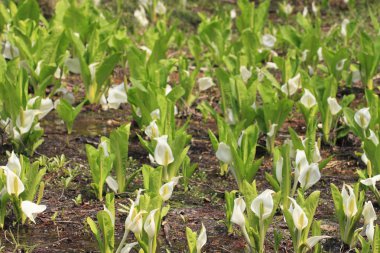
<point>140,15</point>
<point>334,107</point>
<point>224,153</point>
<point>245,73</point>
<point>363,117</point>
<point>14,164</point>
<point>31,209</point>
<point>163,154</point>
<point>155,114</point>
<point>205,83</point>
<point>371,182</point>
<point>25,120</point>
<point>238,212</point>
<point>343,29</point>
<point>349,201</point>
<point>299,216</point>
<point>202,239</point>
<point>166,190</point>
<point>309,176</point>
<point>308,99</point>
<point>292,85</point>
<point>369,213</point>
<point>152,130</point>
<point>14,183</point>
<point>268,40</point>
<point>279,165</point>
<point>150,224</point>
<point>262,205</point>
<point>112,184</point>
<point>373,137</point>
<point>117,96</point>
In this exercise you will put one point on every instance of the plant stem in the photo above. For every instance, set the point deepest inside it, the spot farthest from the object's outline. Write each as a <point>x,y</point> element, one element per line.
<point>262,235</point>
<point>299,235</point>
<point>246,236</point>
<point>165,173</point>
<point>123,240</point>
<point>150,245</point>
<point>346,230</point>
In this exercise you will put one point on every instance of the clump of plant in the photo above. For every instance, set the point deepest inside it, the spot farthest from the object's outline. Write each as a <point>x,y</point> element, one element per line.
<point>299,216</point>
<point>349,206</point>
<point>21,182</point>
<point>255,223</point>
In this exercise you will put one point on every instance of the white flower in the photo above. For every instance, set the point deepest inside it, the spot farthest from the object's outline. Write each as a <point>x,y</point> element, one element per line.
<point>104,146</point>
<point>160,8</point>
<point>279,165</point>
<point>363,117</point>
<point>166,190</point>
<point>112,184</point>
<point>309,176</point>
<point>13,183</point>
<point>369,213</point>
<point>288,9</point>
<point>14,164</point>
<point>268,40</point>
<point>304,55</point>
<point>128,247</point>
<point>356,76</point>
<point>141,16</point>
<point>155,114</point>
<point>314,8</point>
<point>150,224</point>
<point>334,107</point>
<point>9,51</point>
<point>147,50</point>
<point>238,212</point>
<point>202,239</point>
<point>343,29</point>
<point>271,65</point>
<point>340,65</point>
<point>241,138</point>
<point>301,163</point>
<point>312,241</point>
<point>299,216</point>
<point>116,96</point>
<point>73,65</point>
<point>320,55</point>
<point>233,14</point>
<point>224,153</point>
<point>168,89</point>
<point>25,120</point>
<point>349,201</point>
<point>292,85</point>
<point>272,130</point>
<point>163,153</point>
<point>31,209</point>
<point>364,158</point>
<point>245,73</point>
<point>305,11</point>
<point>373,137</point>
<point>45,107</point>
<point>230,119</point>
<point>372,180</point>
<point>262,205</point>
<point>205,83</point>
<point>370,231</point>
<point>308,99</point>
<point>152,130</point>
